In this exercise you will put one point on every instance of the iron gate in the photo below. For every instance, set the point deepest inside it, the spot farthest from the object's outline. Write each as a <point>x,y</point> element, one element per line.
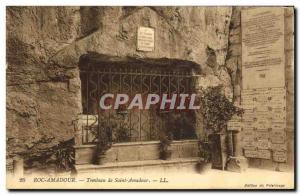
<point>134,125</point>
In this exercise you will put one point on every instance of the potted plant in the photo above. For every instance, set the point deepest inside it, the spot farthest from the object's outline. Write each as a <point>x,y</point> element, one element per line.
<point>122,110</point>
<point>204,154</point>
<point>217,110</point>
<point>122,134</point>
<point>103,144</point>
<point>165,146</point>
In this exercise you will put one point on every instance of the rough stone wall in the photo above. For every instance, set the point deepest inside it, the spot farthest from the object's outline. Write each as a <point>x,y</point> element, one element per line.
<point>40,107</point>
<point>44,45</point>
<point>234,54</point>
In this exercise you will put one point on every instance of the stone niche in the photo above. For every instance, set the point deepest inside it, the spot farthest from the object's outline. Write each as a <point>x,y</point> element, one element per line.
<point>135,134</point>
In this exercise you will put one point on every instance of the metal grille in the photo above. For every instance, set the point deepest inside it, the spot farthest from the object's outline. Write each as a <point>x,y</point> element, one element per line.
<point>133,125</point>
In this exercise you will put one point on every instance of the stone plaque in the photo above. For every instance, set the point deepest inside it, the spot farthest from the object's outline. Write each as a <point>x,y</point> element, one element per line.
<point>279,156</point>
<point>145,39</point>
<point>249,144</point>
<point>251,153</point>
<point>262,135</point>
<point>263,144</point>
<point>247,99</point>
<point>279,147</point>
<point>263,47</point>
<point>263,124</point>
<point>277,99</point>
<point>265,154</point>
<point>248,134</point>
<point>278,136</point>
<point>279,116</point>
<point>278,125</point>
<point>235,124</point>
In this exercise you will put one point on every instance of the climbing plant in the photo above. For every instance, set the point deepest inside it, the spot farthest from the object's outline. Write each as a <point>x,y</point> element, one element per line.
<point>216,109</point>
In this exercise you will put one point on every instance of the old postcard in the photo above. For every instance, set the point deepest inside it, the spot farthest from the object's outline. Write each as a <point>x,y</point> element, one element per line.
<point>150,97</point>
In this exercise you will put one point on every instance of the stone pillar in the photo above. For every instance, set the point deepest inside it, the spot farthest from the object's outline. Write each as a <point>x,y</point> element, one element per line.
<point>199,118</point>
<point>237,147</point>
<point>78,130</point>
<point>236,162</point>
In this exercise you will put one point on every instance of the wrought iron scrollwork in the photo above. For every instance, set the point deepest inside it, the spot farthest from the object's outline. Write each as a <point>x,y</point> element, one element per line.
<point>131,125</point>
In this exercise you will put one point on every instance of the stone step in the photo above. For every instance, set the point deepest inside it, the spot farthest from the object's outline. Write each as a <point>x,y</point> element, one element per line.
<point>164,165</point>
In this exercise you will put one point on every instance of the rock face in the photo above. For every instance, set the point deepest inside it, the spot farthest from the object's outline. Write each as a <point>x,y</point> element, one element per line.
<point>44,45</point>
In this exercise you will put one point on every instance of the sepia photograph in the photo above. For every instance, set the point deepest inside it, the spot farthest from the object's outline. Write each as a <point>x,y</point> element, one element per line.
<point>150,97</point>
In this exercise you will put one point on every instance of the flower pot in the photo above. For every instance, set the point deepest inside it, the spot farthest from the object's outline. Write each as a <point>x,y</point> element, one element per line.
<point>201,166</point>
<point>218,150</point>
<point>166,155</point>
<point>101,159</point>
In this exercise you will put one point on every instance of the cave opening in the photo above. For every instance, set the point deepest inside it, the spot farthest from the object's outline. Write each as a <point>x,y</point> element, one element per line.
<point>102,74</point>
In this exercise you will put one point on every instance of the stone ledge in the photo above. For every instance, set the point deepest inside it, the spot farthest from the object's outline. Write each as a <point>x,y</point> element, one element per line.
<point>136,143</point>
<point>84,146</point>
<point>136,151</point>
<point>89,167</point>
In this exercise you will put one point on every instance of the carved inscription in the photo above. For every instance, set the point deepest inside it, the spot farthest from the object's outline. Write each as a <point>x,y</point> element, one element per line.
<point>263,47</point>
<point>145,39</point>
<point>263,97</point>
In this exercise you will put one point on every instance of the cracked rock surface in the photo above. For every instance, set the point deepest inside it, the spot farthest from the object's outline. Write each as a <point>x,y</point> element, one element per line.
<point>44,45</point>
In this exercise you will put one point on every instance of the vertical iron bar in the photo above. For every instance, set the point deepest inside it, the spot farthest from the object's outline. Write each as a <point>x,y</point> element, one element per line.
<point>130,115</point>
<point>98,107</point>
<point>188,84</point>
<point>109,112</point>
<point>82,133</point>
<point>177,79</point>
<point>169,92</point>
<point>149,112</point>
<point>121,123</point>
<point>169,87</point>
<point>141,89</point>
<point>87,107</point>
<point>160,120</point>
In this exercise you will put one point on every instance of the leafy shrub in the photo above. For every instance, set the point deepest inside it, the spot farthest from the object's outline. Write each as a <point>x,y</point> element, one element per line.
<point>217,110</point>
